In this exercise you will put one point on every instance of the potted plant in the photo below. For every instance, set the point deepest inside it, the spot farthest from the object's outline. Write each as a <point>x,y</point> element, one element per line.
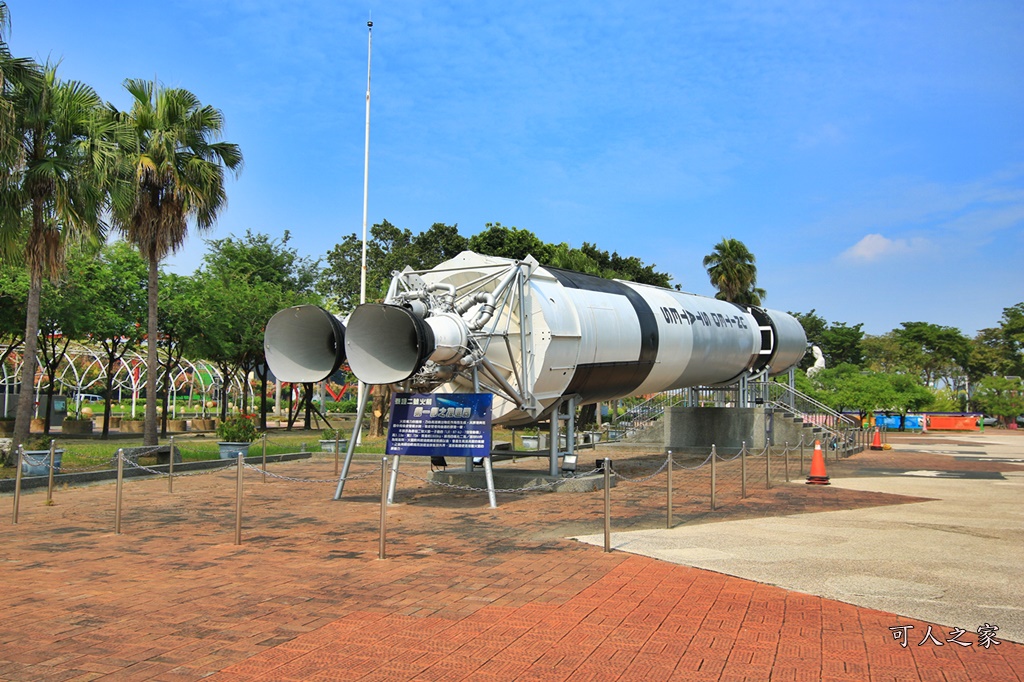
<point>77,423</point>
<point>132,425</point>
<point>236,433</point>
<point>329,437</point>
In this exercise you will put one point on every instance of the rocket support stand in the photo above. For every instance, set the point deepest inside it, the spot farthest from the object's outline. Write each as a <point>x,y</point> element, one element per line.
<point>360,410</point>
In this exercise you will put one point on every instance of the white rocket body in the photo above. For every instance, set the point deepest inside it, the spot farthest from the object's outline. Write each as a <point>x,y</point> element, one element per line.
<point>534,335</point>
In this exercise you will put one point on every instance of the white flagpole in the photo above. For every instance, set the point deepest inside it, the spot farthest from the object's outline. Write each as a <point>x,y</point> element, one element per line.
<point>366,191</point>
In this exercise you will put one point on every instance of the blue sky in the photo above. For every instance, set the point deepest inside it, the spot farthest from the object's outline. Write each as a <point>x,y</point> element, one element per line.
<point>870,154</point>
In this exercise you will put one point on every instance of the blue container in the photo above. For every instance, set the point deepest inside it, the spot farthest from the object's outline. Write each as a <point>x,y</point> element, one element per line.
<point>231,450</point>
<point>37,462</point>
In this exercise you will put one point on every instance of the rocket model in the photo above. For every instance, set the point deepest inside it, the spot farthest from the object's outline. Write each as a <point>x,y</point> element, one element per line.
<point>534,336</point>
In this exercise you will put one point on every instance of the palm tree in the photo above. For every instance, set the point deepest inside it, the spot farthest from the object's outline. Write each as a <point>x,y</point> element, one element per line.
<point>53,196</point>
<point>732,271</point>
<point>17,75</point>
<point>172,174</point>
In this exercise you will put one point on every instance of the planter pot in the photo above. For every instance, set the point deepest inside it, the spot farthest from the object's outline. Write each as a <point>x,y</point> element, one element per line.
<point>133,426</point>
<point>37,462</point>
<point>37,425</point>
<point>204,424</point>
<point>6,427</point>
<point>177,425</point>
<point>97,422</point>
<point>328,445</point>
<point>76,427</point>
<point>231,450</point>
<point>531,442</point>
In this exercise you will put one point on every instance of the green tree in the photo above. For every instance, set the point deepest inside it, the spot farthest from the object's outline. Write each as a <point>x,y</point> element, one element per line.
<point>841,344</point>
<point>61,321</point>
<point>884,353</point>
<point>509,242</point>
<point>59,183</point>
<point>732,271</point>
<point>848,387</point>
<point>388,248</point>
<point>1000,397</point>
<point>181,315</point>
<point>242,283</point>
<point>438,244</point>
<point>814,328</point>
<point>567,258</point>
<point>115,307</point>
<point>625,267</point>
<point>171,176</point>
<point>1002,350</point>
<point>935,352</point>
<point>13,294</point>
<point>908,395</point>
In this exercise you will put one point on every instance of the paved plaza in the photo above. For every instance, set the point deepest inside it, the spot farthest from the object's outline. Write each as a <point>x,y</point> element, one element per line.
<point>469,592</point>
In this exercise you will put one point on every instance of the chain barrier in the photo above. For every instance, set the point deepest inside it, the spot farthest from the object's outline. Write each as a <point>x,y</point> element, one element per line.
<point>455,486</point>
<point>616,474</point>
<point>131,461</point>
<point>706,460</point>
<point>733,458</point>
<point>44,461</point>
<point>350,477</point>
<point>157,472</point>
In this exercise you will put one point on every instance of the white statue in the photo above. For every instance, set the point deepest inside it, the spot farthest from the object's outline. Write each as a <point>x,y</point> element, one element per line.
<point>819,361</point>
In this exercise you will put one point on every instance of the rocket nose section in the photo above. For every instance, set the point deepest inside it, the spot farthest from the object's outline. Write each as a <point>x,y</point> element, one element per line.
<point>790,341</point>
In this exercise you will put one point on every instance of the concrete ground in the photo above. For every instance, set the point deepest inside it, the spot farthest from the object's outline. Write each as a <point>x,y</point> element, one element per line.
<point>954,558</point>
<point>468,592</point>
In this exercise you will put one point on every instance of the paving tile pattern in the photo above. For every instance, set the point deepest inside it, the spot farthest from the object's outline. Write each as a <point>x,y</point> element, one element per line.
<point>466,592</point>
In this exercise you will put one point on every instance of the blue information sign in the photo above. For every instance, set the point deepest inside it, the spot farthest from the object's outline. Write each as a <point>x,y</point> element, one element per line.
<point>440,424</point>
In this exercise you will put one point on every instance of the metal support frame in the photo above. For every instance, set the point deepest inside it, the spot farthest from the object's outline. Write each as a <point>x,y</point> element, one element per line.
<point>360,410</point>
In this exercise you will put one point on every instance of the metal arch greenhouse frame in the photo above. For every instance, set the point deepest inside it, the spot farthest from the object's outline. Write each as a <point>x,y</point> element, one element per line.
<point>84,368</point>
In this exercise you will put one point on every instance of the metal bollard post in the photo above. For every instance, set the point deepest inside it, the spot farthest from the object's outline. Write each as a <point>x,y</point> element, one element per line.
<point>785,457</point>
<point>238,499</point>
<point>607,505</point>
<point>714,456</point>
<point>17,482</point>
<point>170,468</point>
<point>801,455</point>
<point>382,552</point>
<point>743,470</point>
<point>49,480</point>
<point>668,520</point>
<point>768,467</point>
<point>265,457</point>
<point>117,494</point>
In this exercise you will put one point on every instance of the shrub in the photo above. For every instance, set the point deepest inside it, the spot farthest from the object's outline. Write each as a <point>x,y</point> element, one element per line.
<point>240,428</point>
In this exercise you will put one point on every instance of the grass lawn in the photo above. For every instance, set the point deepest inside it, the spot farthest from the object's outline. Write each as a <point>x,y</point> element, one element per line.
<point>85,453</point>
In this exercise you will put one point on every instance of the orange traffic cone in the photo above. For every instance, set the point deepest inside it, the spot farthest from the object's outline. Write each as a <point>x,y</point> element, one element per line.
<point>818,475</point>
<point>876,443</point>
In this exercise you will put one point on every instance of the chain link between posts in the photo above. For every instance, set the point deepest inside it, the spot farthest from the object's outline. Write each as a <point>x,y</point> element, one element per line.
<point>455,486</point>
<point>566,478</point>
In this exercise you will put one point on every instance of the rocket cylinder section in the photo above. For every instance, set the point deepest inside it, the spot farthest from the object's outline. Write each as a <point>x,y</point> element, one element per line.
<point>554,333</point>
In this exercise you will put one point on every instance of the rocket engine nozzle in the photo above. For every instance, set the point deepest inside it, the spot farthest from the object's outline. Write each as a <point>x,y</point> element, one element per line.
<point>304,344</point>
<point>387,344</point>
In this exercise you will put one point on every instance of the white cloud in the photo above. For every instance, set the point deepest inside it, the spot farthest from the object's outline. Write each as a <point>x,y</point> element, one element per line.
<point>876,247</point>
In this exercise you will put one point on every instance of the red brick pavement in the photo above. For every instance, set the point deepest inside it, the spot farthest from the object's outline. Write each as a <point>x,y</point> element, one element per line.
<point>466,593</point>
